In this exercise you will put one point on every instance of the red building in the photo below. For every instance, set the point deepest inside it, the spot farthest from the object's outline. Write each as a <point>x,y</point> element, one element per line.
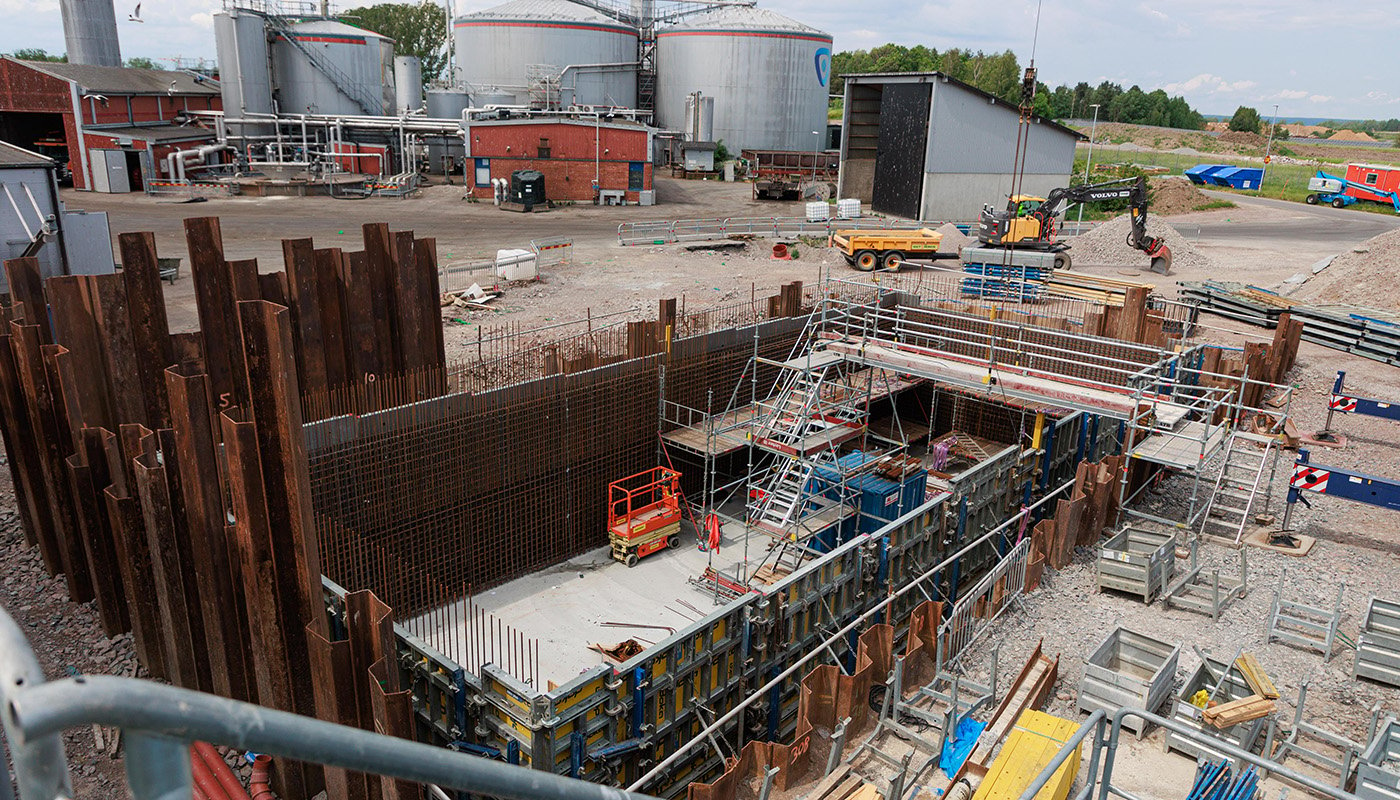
<point>1385,178</point>
<point>135,117</point>
<point>580,159</point>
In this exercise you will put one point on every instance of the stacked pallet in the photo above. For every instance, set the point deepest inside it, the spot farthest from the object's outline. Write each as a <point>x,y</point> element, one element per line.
<point>1095,288</point>
<point>1229,714</point>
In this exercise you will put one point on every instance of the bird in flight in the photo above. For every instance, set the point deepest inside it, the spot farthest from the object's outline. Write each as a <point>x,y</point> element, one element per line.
<point>135,16</point>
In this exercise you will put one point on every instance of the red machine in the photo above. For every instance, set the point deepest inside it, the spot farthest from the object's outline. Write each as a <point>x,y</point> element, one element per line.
<point>644,514</point>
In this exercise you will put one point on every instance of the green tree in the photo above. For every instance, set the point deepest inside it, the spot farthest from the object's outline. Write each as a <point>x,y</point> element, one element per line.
<point>38,54</point>
<point>1245,119</point>
<point>418,29</point>
<point>141,62</point>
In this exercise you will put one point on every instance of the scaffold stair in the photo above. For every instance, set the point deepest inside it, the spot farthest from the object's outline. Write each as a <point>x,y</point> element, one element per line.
<point>1247,458</point>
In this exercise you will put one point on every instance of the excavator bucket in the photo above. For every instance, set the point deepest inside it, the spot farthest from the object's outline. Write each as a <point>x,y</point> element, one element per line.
<point>1161,261</point>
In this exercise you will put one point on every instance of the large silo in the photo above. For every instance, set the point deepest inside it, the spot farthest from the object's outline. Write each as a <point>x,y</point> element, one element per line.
<point>333,68</point>
<point>408,84</point>
<point>446,102</point>
<point>767,74</point>
<point>245,72</point>
<point>512,46</point>
<point>90,32</point>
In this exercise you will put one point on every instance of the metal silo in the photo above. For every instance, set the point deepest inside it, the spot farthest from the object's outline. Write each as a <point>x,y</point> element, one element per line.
<point>446,103</point>
<point>548,52</point>
<point>245,72</point>
<point>767,74</point>
<point>328,67</point>
<point>408,84</point>
<point>699,118</point>
<point>90,32</point>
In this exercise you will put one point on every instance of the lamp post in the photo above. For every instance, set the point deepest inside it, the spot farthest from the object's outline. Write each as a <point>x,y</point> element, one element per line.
<point>1079,224</point>
<point>1268,146</point>
<point>816,154</point>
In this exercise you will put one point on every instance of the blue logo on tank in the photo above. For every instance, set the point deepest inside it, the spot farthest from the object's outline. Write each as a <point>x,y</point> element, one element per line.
<point>823,61</point>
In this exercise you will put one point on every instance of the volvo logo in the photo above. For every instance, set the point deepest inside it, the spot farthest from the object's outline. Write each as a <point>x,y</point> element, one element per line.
<point>823,63</point>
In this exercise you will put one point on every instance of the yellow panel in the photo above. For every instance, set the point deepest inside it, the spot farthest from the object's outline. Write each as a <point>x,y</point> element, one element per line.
<point>1029,748</point>
<point>584,692</point>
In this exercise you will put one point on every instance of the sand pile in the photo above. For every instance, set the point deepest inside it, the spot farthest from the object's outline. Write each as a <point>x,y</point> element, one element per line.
<point>1365,275</point>
<point>953,239</point>
<point>1174,196</point>
<point>1245,138</point>
<point>1350,136</point>
<point>1106,245</point>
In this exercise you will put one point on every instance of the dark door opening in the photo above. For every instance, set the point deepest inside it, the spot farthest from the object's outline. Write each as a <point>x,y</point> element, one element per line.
<point>134,175</point>
<point>40,133</point>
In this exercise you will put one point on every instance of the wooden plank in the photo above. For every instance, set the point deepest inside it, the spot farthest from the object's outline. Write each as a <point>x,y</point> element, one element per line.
<point>826,784</point>
<point>150,331</point>
<point>1234,712</point>
<point>1255,676</point>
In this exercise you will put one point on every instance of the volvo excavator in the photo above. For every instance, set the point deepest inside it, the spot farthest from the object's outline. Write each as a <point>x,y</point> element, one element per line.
<point>1028,225</point>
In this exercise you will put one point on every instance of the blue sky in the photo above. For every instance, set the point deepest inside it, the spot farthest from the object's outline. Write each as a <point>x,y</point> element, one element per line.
<point>1219,54</point>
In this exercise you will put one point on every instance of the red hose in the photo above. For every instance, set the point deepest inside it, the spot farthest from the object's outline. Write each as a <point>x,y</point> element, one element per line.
<point>206,786</point>
<point>232,788</point>
<point>262,769</point>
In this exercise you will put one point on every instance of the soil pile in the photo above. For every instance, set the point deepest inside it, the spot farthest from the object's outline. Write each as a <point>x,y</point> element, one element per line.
<point>1244,138</point>
<point>1175,196</point>
<point>1365,275</point>
<point>1350,136</point>
<point>1106,245</point>
<point>953,239</point>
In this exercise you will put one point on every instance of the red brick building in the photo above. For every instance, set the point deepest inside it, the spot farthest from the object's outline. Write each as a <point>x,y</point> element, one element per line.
<point>68,111</point>
<point>579,158</point>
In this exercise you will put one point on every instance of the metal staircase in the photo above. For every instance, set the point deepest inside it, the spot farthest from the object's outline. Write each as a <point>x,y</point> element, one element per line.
<point>371,102</point>
<point>1232,502</point>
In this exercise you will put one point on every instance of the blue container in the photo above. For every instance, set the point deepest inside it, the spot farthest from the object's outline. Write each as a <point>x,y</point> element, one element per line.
<point>1239,177</point>
<point>880,500</point>
<point>1201,172</point>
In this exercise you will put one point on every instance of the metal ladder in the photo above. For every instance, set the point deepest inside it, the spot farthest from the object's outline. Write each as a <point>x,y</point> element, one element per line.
<point>783,497</point>
<point>1237,486</point>
<point>370,103</point>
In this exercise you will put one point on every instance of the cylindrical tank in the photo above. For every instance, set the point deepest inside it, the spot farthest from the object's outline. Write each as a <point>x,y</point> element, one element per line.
<point>509,47</point>
<point>699,118</point>
<point>347,75</point>
<point>388,75</point>
<point>408,84</point>
<point>90,32</point>
<point>767,74</point>
<point>240,39</point>
<point>446,103</point>
<point>492,96</point>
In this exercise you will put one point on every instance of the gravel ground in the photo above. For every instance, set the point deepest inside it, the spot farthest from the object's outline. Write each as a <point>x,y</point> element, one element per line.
<point>1107,245</point>
<point>1364,275</point>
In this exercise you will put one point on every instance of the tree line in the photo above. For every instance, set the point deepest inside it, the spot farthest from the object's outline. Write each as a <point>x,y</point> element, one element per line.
<point>1000,74</point>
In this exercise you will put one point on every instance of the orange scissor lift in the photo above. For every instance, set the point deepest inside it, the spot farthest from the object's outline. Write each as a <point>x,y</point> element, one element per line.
<point>644,514</point>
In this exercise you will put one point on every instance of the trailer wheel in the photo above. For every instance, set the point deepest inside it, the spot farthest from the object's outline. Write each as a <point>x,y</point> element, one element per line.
<point>891,260</point>
<point>1310,199</point>
<point>1339,203</point>
<point>1063,261</point>
<point>631,560</point>
<point>866,260</point>
<point>673,541</point>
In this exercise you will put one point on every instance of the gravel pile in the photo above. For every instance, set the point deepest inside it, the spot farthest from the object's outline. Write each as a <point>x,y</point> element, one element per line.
<point>953,239</point>
<point>1106,245</point>
<point>1364,275</point>
<point>1175,196</point>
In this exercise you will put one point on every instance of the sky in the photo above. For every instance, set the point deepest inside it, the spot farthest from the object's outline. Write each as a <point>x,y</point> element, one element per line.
<point>1218,54</point>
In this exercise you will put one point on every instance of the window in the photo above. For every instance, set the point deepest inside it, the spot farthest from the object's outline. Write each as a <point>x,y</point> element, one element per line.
<point>634,176</point>
<point>1371,178</point>
<point>544,148</point>
<point>483,172</point>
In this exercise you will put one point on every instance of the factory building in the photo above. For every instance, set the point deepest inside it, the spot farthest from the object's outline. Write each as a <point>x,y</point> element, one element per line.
<point>109,127</point>
<point>926,146</point>
<point>580,159</point>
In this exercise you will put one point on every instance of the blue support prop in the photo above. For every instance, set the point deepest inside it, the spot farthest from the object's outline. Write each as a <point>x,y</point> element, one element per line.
<point>639,699</point>
<point>1083,437</point>
<point>459,700</point>
<point>1047,462</point>
<point>513,752</point>
<point>1344,403</point>
<point>775,706</point>
<point>575,754</point>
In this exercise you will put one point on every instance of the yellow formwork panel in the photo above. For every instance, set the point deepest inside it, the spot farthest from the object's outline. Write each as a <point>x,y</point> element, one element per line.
<point>1029,748</point>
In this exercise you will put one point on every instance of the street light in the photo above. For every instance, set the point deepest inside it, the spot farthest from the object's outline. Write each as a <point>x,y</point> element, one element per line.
<point>1079,225</point>
<point>1267,147</point>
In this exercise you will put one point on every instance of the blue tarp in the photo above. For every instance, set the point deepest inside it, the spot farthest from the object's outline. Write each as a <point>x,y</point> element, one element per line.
<point>957,748</point>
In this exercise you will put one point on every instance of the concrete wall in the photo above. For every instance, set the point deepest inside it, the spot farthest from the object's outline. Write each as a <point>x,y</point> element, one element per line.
<point>960,196</point>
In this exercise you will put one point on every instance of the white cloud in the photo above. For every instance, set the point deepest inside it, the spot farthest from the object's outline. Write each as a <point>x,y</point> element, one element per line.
<point>1290,94</point>
<point>1206,83</point>
<point>203,20</point>
<point>1320,98</point>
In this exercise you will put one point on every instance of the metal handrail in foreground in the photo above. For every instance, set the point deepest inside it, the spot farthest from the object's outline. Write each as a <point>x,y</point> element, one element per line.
<point>159,722</point>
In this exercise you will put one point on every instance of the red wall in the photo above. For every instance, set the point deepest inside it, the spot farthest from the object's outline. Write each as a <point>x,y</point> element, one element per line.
<point>1386,180</point>
<point>570,169</point>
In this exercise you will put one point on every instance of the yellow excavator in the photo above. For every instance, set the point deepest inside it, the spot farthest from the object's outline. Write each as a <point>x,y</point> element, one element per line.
<point>1031,223</point>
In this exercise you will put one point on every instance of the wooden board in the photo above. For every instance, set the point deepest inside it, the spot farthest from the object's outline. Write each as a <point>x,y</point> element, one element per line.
<point>1234,712</point>
<point>1030,747</point>
<point>1255,676</point>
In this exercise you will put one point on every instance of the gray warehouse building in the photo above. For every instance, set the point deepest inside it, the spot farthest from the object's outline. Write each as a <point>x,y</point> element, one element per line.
<point>33,221</point>
<point>925,146</point>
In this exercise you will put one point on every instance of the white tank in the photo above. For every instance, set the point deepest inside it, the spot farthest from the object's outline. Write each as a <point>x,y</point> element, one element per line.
<point>90,32</point>
<point>346,75</point>
<point>699,118</point>
<point>245,73</point>
<point>505,48</point>
<point>768,76</point>
<point>408,84</point>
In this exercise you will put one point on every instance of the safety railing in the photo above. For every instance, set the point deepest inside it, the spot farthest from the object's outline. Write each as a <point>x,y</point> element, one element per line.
<point>192,188</point>
<point>976,610</point>
<point>631,234</point>
<point>553,251</point>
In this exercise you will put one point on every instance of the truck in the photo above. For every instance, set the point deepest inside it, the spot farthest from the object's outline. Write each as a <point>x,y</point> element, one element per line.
<point>792,174</point>
<point>1329,189</point>
<point>887,249</point>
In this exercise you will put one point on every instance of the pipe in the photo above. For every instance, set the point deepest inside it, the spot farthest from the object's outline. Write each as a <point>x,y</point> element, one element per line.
<point>262,770</point>
<point>231,787</point>
<point>205,784</point>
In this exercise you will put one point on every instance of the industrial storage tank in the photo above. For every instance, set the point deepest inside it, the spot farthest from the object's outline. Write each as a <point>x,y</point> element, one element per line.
<point>699,118</point>
<point>245,81</point>
<point>350,70</point>
<point>408,84</point>
<point>90,32</point>
<point>446,103</point>
<point>767,74</point>
<point>508,47</point>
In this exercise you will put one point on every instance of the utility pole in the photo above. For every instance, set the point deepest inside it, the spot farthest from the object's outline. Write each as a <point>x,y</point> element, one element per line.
<point>1079,225</point>
<point>1268,146</point>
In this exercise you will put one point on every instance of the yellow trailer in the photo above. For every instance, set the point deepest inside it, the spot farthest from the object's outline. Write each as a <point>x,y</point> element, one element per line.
<point>885,249</point>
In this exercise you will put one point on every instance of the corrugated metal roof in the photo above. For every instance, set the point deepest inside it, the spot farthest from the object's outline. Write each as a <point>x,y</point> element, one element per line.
<point>12,156</point>
<point>124,80</point>
<point>745,18</point>
<point>333,27</point>
<point>543,10</point>
<point>154,133</point>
